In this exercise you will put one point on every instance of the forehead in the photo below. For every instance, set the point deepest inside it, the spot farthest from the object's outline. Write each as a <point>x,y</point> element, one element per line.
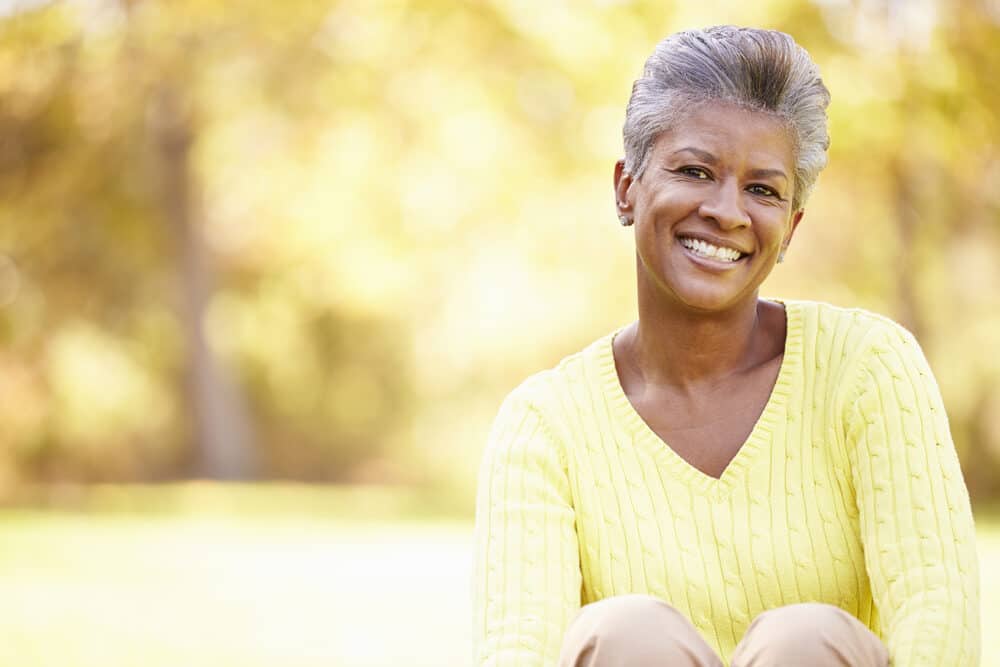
<point>735,136</point>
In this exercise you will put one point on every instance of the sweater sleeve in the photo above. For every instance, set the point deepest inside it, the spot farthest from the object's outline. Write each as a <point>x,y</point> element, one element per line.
<point>914,512</point>
<point>527,579</point>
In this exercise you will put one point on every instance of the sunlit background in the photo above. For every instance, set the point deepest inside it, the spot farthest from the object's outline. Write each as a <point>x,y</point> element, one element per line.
<point>268,268</point>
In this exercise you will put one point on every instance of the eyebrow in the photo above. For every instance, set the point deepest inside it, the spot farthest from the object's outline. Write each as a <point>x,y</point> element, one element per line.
<point>698,153</point>
<point>767,173</point>
<point>708,158</point>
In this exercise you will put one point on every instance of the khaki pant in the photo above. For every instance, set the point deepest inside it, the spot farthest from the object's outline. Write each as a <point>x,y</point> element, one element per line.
<point>643,631</point>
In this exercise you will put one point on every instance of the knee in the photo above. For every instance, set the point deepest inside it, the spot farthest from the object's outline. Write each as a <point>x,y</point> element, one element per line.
<point>797,622</point>
<point>809,633</point>
<point>630,629</point>
<point>622,616</point>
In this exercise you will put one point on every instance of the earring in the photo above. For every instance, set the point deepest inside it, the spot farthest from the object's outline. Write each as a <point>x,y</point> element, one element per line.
<point>624,220</point>
<point>781,256</point>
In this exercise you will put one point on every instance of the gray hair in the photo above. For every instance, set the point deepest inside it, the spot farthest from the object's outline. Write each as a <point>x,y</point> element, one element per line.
<point>758,70</point>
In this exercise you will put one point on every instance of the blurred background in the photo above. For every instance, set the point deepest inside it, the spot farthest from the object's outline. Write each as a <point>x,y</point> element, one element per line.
<point>268,269</point>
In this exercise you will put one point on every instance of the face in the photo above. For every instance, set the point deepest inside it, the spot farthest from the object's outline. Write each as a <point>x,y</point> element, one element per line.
<point>712,209</point>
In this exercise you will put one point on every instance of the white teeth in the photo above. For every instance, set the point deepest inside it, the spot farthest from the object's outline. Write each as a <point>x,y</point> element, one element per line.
<point>708,250</point>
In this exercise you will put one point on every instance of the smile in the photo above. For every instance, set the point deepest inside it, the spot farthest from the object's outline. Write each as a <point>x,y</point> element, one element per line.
<point>709,251</point>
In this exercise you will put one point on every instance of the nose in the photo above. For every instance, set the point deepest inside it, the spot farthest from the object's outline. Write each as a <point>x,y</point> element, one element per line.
<point>724,205</point>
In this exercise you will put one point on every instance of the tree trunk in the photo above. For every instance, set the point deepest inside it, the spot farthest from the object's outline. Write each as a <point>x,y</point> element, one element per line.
<point>223,435</point>
<point>907,264</point>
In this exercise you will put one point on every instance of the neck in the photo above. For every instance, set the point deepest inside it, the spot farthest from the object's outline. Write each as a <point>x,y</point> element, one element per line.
<point>678,347</point>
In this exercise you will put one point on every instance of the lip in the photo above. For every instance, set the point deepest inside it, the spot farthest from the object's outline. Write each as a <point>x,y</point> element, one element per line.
<point>712,264</point>
<point>714,240</point>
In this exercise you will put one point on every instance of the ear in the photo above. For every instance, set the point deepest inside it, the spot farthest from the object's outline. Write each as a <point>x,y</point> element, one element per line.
<point>796,219</point>
<point>623,180</point>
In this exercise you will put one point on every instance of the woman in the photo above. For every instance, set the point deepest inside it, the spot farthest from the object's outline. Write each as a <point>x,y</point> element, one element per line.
<point>728,479</point>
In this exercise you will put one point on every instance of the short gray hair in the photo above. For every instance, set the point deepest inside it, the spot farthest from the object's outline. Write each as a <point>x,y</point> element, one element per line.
<point>759,70</point>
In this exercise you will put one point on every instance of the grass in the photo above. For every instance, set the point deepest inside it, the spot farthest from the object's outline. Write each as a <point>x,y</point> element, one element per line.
<point>201,575</point>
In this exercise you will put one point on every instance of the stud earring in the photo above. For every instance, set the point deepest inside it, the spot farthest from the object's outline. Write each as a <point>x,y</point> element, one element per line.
<point>781,256</point>
<point>624,220</point>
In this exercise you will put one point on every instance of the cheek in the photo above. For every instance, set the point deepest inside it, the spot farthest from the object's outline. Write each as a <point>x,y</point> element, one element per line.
<point>670,205</point>
<point>776,222</point>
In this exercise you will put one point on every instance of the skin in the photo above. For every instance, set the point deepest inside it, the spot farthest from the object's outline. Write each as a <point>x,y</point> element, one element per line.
<point>701,361</point>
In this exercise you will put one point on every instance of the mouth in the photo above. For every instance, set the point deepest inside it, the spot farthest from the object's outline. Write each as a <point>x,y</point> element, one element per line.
<point>705,250</point>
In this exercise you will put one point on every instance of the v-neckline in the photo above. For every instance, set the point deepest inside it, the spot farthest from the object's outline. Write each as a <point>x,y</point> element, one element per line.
<point>760,435</point>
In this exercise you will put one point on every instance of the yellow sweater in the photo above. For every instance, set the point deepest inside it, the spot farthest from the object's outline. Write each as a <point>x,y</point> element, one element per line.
<point>848,491</point>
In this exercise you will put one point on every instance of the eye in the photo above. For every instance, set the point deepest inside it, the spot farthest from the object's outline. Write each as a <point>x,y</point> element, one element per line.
<point>695,172</point>
<point>764,190</point>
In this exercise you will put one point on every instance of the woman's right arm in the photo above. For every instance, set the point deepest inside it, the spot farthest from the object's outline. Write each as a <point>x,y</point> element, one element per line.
<point>527,578</point>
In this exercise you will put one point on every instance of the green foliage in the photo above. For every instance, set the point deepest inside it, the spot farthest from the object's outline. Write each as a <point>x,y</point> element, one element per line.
<point>398,210</point>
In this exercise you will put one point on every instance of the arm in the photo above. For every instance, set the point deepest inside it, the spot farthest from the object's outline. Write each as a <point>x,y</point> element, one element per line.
<point>915,519</point>
<point>527,570</point>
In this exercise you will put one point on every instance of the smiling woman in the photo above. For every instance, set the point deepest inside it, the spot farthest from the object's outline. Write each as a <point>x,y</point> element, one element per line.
<point>726,479</point>
<point>713,208</point>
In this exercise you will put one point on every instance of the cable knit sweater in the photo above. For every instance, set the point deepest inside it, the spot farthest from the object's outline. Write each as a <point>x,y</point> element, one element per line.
<point>847,491</point>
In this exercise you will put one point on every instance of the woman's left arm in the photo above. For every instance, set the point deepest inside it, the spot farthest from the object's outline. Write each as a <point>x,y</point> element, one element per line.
<point>915,518</point>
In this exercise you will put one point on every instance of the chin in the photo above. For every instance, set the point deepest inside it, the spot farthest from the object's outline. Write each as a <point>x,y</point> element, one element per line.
<point>714,300</point>
<point>696,290</point>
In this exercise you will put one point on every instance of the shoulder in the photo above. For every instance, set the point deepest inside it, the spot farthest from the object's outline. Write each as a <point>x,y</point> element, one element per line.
<point>556,391</point>
<point>851,346</point>
<point>866,353</point>
<point>531,422</point>
<point>855,332</point>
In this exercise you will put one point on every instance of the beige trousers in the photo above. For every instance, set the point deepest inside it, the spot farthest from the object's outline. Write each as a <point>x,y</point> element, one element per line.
<point>643,631</point>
